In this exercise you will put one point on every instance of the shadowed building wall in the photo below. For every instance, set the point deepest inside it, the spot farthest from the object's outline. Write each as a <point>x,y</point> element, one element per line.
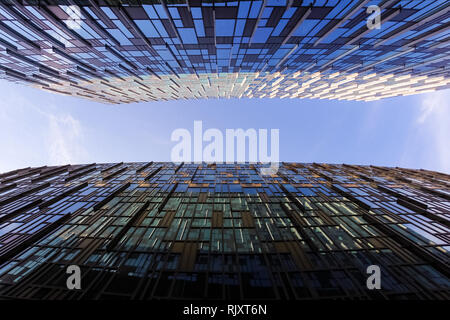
<point>220,231</point>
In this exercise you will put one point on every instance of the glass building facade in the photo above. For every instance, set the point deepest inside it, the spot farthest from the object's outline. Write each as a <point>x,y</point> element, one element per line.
<point>129,51</point>
<point>221,231</point>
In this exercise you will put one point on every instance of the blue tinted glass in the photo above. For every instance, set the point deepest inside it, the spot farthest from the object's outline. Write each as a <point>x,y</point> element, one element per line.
<point>159,8</point>
<point>188,35</point>
<point>119,36</point>
<point>159,26</point>
<point>199,28</point>
<point>147,28</point>
<point>307,191</point>
<point>122,28</point>
<point>240,27</point>
<point>150,11</point>
<point>196,13</point>
<point>174,13</point>
<point>254,12</point>
<point>261,35</point>
<point>109,13</point>
<point>243,9</point>
<point>225,27</point>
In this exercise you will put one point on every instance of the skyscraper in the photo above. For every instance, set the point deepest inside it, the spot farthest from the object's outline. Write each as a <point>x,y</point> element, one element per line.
<point>219,231</point>
<point>129,51</point>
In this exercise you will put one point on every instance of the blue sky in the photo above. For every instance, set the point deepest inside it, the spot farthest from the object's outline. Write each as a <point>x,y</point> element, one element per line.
<point>41,128</point>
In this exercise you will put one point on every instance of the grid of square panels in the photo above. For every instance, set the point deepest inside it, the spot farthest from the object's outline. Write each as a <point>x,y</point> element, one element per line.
<point>220,231</point>
<point>129,51</point>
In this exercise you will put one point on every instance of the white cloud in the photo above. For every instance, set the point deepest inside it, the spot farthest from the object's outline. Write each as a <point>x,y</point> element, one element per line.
<point>430,104</point>
<point>65,137</point>
<point>36,130</point>
<point>434,117</point>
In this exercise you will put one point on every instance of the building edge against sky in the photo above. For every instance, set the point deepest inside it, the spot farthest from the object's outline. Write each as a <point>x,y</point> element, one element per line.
<point>165,50</point>
<point>220,231</point>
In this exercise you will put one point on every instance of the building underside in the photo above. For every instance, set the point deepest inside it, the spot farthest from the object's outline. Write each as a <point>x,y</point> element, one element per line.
<point>122,52</point>
<point>223,231</point>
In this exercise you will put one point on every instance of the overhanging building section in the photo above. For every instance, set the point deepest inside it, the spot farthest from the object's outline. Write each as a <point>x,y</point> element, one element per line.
<point>221,231</point>
<point>121,52</point>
